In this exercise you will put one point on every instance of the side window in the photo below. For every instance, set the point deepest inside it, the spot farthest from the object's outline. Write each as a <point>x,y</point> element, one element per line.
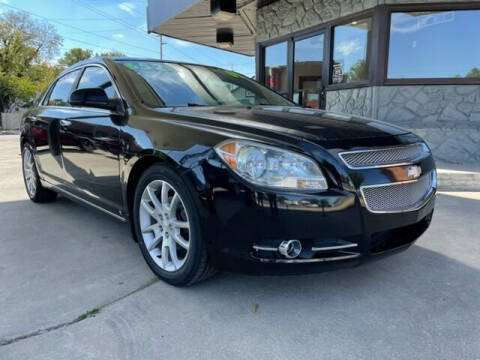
<point>96,77</point>
<point>61,90</point>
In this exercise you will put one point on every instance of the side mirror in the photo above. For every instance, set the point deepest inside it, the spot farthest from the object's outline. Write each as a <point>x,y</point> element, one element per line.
<point>94,97</point>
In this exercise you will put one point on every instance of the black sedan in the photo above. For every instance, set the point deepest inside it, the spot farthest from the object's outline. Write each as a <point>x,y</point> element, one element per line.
<point>215,171</point>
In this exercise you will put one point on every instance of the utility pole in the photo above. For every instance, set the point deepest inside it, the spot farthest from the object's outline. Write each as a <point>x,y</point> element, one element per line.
<point>161,47</point>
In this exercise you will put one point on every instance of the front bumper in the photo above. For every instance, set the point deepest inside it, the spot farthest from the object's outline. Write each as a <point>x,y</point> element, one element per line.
<point>243,225</point>
<point>266,222</point>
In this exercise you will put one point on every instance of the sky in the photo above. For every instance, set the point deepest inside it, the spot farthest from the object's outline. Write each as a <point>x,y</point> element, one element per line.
<point>102,25</point>
<point>449,37</point>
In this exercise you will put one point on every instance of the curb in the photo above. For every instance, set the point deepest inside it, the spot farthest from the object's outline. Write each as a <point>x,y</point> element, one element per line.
<point>455,180</point>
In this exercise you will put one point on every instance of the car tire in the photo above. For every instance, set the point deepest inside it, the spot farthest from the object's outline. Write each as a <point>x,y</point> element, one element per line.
<point>36,192</point>
<point>162,224</point>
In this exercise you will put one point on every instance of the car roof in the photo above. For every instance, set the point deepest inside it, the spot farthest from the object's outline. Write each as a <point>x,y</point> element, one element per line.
<point>101,60</point>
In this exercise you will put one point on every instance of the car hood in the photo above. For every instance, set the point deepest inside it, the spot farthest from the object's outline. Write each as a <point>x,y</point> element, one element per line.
<point>311,124</point>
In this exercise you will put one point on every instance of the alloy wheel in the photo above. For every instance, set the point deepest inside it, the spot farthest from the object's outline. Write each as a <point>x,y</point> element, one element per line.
<point>29,173</point>
<point>164,225</point>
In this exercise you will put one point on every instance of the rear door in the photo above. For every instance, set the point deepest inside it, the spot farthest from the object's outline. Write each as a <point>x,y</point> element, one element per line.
<point>46,124</point>
<point>90,145</point>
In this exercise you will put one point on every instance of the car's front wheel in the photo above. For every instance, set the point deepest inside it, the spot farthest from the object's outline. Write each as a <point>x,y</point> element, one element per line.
<point>36,192</point>
<point>167,227</point>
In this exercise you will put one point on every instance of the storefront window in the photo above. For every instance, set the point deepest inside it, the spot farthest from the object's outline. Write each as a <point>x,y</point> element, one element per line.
<point>307,73</point>
<point>434,44</point>
<point>276,67</point>
<point>350,52</point>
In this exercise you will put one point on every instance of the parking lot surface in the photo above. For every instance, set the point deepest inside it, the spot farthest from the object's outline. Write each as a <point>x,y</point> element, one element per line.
<point>73,285</point>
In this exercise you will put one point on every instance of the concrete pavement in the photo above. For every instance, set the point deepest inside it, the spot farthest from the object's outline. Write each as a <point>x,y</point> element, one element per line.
<point>60,261</point>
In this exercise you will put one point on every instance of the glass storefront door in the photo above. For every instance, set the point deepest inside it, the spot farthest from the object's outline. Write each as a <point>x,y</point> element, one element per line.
<point>308,88</point>
<point>276,68</point>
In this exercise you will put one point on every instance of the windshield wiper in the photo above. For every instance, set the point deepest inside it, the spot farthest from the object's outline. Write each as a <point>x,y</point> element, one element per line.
<point>196,104</point>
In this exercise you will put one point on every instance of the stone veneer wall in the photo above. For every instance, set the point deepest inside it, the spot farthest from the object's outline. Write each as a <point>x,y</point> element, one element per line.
<point>285,16</point>
<point>352,101</point>
<point>446,116</point>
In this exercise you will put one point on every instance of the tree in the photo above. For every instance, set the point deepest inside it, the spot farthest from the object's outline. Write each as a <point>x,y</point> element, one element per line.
<point>24,41</point>
<point>358,71</point>
<point>16,89</point>
<point>25,46</point>
<point>75,55</point>
<point>473,72</point>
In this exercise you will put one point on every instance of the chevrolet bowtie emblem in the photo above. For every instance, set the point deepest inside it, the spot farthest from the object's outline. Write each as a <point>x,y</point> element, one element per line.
<point>414,172</point>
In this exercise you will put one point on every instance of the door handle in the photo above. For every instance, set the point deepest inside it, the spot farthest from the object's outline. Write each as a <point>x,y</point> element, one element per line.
<point>65,122</point>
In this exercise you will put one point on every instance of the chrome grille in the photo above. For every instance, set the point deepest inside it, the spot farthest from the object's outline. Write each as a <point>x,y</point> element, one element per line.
<point>383,157</point>
<point>398,197</point>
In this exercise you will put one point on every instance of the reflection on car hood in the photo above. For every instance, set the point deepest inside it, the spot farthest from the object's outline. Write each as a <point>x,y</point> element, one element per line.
<point>310,124</point>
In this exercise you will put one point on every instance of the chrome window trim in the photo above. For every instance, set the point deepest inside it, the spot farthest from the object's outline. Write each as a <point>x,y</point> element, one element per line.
<point>46,95</point>
<point>108,74</point>
<point>421,203</point>
<point>77,81</point>
<point>402,163</point>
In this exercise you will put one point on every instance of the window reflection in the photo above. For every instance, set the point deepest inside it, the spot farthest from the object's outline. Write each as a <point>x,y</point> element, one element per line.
<point>95,77</point>
<point>61,90</point>
<point>192,85</point>
<point>276,67</point>
<point>434,44</point>
<point>350,52</point>
<point>307,78</point>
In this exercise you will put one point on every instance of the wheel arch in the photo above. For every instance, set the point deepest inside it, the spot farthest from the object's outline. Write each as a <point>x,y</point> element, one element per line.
<point>137,168</point>
<point>192,175</point>
<point>24,140</point>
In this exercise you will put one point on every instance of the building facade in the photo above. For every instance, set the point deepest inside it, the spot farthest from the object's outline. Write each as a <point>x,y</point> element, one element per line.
<point>414,64</point>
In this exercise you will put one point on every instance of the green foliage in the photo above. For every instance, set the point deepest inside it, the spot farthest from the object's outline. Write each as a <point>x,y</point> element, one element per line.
<point>25,46</point>
<point>473,72</point>
<point>23,88</point>
<point>357,72</point>
<point>75,55</point>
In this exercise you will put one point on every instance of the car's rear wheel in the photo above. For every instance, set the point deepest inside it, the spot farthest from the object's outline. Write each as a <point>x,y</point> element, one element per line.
<point>36,192</point>
<point>167,227</point>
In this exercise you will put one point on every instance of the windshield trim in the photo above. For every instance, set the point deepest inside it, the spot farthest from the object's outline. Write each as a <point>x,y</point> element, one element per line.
<point>262,87</point>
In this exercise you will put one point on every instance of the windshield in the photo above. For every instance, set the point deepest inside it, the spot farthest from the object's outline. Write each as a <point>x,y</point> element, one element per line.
<point>168,84</point>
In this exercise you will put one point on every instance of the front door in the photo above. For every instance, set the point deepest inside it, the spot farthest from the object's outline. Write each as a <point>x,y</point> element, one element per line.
<point>308,64</point>
<point>90,142</point>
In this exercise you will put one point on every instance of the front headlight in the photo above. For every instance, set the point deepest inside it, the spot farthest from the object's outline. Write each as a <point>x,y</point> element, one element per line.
<point>271,166</point>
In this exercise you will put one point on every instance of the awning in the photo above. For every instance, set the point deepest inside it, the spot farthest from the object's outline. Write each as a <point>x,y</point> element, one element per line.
<point>206,22</point>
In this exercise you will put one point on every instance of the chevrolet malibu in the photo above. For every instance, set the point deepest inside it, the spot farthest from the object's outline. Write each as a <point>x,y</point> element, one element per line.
<point>214,171</point>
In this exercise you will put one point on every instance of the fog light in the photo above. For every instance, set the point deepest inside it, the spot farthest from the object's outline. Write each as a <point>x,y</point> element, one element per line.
<point>290,248</point>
